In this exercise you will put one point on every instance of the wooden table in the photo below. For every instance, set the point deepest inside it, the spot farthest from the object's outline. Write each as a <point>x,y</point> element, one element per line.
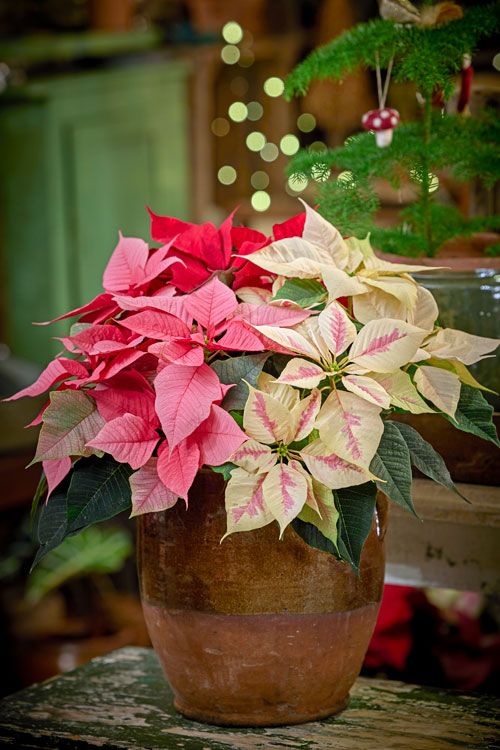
<point>122,701</point>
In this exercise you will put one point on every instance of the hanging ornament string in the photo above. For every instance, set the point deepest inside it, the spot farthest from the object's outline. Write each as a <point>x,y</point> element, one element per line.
<point>382,91</point>
<point>381,121</point>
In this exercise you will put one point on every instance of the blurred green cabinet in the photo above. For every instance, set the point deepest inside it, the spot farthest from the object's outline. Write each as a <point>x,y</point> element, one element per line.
<point>81,156</point>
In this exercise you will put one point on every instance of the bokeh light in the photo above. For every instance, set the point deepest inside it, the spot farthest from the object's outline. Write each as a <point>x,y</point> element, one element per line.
<point>270,152</point>
<point>256,141</point>
<point>227,175</point>
<point>238,111</point>
<point>255,111</point>
<point>434,183</point>
<point>318,146</point>
<point>306,122</point>
<point>232,32</point>
<point>220,126</point>
<point>230,54</point>
<point>433,179</point>
<point>297,184</point>
<point>259,180</point>
<point>345,177</point>
<point>274,86</point>
<point>289,144</point>
<point>260,200</point>
<point>496,61</point>
<point>320,172</point>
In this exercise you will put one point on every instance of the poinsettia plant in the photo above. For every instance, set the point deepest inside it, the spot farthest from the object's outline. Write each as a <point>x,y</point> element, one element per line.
<point>276,361</point>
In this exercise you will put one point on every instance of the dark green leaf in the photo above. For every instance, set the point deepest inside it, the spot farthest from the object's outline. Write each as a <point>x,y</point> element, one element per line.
<point>355,506</point>
<point>99,489</point>
<point>236,370</point>
<point>425,458</point>
<point>474,415</point>
<point>277,363</point>
<point>313,536</point>
<point>392,465</point>
<point>52,525</point>
<point>39,492</point>
<point>225,470</point>
<point>304,292</point>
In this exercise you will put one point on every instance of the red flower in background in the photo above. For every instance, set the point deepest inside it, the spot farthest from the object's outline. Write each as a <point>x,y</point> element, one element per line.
<point>392,639</point>
<point>204,249</point>
<point>436,637</point>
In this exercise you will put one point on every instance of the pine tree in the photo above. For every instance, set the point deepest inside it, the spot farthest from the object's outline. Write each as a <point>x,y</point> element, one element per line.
<point>429,57</point>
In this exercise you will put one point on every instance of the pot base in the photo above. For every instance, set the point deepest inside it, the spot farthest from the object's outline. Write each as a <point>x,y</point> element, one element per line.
<point>269,718</point>
<point>262,669</point>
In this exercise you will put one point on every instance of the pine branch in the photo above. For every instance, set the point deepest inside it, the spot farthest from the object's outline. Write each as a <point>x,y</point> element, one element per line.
<point>466,145</point>
<point>350,206</point>
<point>408,239</point>
<point>356,47</point>
<point>428,57</point>
<point>465,148</point>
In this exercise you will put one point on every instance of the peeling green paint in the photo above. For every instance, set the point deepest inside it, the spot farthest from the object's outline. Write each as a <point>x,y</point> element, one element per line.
<point>122,701</point>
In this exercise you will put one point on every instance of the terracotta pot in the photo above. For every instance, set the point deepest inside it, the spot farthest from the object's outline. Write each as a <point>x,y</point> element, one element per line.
<point>254,631</point>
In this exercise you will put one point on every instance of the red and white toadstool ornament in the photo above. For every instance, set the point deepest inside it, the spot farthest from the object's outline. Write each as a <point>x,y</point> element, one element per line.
<point>382,122</point>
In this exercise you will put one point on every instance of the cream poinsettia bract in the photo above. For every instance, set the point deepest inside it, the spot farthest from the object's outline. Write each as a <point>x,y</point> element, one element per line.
<point>277,476</point>
<point>371,346</point>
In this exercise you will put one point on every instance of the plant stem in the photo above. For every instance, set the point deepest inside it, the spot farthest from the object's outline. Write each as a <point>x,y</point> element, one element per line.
<point>425,195</point>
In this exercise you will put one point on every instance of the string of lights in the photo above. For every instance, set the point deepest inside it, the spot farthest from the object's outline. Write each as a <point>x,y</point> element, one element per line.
<point>237,50</point>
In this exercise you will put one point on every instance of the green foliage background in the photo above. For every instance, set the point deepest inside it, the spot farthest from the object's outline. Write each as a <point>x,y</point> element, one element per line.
<point>464,147</point>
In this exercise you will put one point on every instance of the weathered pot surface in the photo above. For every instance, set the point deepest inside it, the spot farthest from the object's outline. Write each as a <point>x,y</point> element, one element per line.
<point>254,631</point>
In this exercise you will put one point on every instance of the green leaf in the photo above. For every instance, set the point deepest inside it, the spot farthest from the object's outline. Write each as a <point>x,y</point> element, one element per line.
<point>99,489</point>
<point>70,421</point>
<point>392,465</point>
<point>355,506</point>
<point>238,418</point>
<point>304,292</point>
<point>425,458</point>
<point>474,415</point>
<point>313,536</point>
<point>39,492</point>
<point>225,470</point>
<point>95,550</point>
<point>236,370</point>
<point>52,525</point>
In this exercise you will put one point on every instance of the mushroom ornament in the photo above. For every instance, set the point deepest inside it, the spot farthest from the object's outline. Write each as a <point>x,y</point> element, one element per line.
<point>382,122</point>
